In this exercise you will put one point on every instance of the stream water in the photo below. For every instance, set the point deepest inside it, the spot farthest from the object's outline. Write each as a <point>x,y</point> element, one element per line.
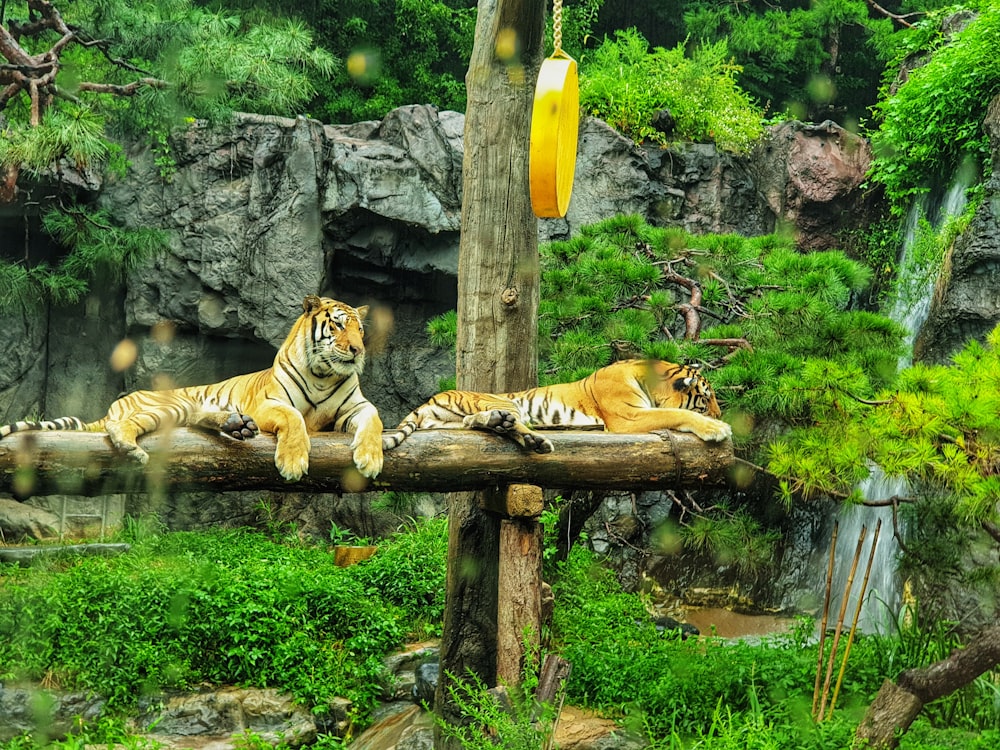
<point>911,306</point>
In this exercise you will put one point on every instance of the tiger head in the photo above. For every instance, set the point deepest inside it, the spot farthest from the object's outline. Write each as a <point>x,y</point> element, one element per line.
<point>334,336</point>
<point>681,387</point>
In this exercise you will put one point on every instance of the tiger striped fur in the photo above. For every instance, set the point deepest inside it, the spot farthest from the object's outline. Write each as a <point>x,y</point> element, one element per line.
<point>312,384</point>
<point>631,396</point>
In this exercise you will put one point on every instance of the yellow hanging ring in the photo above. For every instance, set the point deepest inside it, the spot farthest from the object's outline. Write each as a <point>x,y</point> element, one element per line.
<point>555,121</point>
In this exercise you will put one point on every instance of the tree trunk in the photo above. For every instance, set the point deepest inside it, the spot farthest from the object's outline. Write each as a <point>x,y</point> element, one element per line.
<point>898,704</point>
<point>84,463</point>
<point>498,282</point>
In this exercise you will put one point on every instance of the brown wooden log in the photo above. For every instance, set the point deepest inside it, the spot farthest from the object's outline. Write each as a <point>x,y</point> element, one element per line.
<point>78,463</point>
<point>899,703</point>
<point>519,611</point>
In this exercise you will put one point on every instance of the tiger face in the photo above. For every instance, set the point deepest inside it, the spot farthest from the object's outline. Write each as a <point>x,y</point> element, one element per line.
<point>681,387</point>
<point>336,337</point>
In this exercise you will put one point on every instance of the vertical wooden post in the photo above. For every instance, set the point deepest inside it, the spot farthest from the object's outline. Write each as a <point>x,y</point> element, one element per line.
<point>498,288</point>
<point>519,615</point>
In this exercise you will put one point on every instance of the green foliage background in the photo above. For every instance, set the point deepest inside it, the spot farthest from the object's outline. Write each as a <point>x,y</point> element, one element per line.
<point>625,84</point>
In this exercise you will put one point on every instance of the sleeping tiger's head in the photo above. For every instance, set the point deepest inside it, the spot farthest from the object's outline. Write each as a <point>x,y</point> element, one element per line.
<point>332,335</point>
<point>681,387</point>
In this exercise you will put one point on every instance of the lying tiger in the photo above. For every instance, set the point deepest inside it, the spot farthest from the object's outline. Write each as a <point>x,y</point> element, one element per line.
<point>631,396</point>
<point>312,384</point>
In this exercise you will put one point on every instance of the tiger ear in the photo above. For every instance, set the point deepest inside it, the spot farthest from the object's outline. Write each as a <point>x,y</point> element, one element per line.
<point>311,302</point>
<point>362,311</point>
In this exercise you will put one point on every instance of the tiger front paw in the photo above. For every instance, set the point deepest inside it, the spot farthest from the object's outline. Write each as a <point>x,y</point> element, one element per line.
<point>292,457</point>
<point>368,454</point>
<point>239,427</point>
<point>714,432</point>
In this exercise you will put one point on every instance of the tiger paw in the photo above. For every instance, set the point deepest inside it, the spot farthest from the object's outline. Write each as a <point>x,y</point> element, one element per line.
<point>292,470</point>
<point>535,442</point>
<point>501,421</point>
<point>291,457</point>
<point>367,451</point>
<point>239,427</point>
<point>714,431</point>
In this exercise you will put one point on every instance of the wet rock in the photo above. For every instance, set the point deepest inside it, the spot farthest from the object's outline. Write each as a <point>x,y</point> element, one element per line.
<point>48,714</point>
<point>217,718</point>
<point>426,683</point>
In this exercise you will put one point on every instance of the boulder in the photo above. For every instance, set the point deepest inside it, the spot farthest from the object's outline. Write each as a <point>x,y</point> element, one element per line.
<point>811,177</point>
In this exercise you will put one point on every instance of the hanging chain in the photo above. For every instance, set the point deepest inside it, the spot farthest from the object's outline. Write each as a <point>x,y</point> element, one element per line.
<point>557,26</point>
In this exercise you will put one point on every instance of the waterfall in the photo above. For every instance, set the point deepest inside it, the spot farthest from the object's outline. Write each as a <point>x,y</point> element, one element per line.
<point>910,307</point>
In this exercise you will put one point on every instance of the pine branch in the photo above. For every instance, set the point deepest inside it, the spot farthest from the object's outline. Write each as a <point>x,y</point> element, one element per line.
<point>129,89</point>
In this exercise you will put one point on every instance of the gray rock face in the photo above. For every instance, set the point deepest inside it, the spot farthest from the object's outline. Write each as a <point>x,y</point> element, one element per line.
<point>266,210</point>
<point>966,304</point>
<point>45,713</point>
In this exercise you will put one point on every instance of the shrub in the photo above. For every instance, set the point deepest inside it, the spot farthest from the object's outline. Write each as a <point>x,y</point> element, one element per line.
<point>931,124</point>
<point>625,84</point>
<point>226,607</point>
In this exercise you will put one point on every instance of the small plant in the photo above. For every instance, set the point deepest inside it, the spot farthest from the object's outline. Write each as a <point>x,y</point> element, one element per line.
<point>507,716</point>
<point>341,537</point>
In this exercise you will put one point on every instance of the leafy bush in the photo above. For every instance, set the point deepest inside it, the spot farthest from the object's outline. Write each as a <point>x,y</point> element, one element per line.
<point>716,693</point>
<point>783,50</point>
<point>625,84</point>
<point>931,123</point>
<point>623,665</point>
<point>227,607</point>
<point>396,52</point>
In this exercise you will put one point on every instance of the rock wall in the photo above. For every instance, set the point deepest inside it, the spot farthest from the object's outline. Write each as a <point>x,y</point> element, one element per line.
<point>966,304</point>
<point>263,211</point>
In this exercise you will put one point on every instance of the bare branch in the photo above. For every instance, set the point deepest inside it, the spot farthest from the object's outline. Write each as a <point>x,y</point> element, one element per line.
<point>900,19</point>
<point>129,89</point>
<point>732,344</point>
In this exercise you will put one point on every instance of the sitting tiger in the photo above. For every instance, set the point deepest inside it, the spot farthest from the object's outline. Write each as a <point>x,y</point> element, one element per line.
<point>312,384</point>
<point>630,396</point>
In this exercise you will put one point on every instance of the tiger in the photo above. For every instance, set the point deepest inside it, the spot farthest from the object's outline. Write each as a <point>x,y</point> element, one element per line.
<point>628,396</point>
<point>312,384</point>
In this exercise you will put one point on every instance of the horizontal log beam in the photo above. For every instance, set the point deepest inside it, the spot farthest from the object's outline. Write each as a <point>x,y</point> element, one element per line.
<point>79,463</point>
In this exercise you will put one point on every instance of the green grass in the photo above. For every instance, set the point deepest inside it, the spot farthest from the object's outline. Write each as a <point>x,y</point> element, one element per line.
<point>236,607</point>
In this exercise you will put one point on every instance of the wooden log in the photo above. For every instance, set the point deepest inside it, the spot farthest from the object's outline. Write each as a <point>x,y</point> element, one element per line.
<point>79,463</point>
<point>519,613</point>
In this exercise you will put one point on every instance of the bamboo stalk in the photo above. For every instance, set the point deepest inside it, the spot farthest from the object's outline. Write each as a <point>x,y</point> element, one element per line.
<point>840,622</point>
<point>857,613</point>
<point>826,613</point>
